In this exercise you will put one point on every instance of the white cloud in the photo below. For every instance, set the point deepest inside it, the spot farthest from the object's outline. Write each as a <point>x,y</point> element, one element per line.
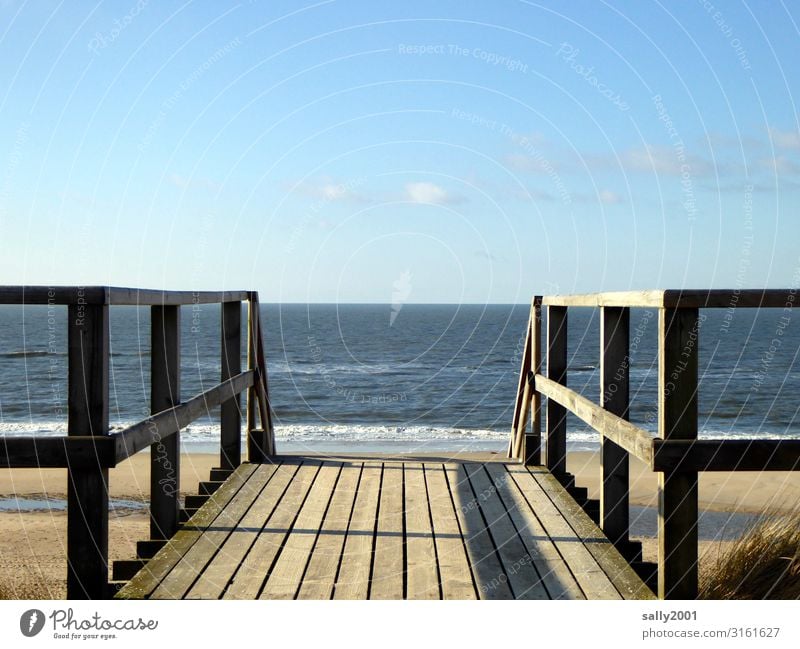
<point>608,197</point>
<point>785,139</point>
<point>329,190</point>
<point>430,193</point>
<point>780,165</point>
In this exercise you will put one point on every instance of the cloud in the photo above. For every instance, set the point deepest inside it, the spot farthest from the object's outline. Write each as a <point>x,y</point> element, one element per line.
<point>785,139</point>
<point>669,161</point>
<point>430,193</point>
<point>608,197</point>
<point>780,165</point>
<point>328,190</point>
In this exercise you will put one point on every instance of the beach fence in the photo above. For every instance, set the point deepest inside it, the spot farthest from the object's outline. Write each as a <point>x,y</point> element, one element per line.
<point>676,454</point>
<point>89,449</point>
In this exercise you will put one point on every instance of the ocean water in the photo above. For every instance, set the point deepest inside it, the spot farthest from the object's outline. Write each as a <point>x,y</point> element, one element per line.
<point>408,377</point>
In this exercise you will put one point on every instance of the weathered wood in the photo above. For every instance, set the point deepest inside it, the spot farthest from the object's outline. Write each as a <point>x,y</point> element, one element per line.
<point>87,486</point>
<point>518,566</point>
<point>556,437</point>
<point>555,574</point>
<point>389,567</point>
<point>519,433</point>
<point>252,573</point>
<point>455,575</point>
<point>613,564</point>
<point>614,382</point>
<point>532,450</point>
<point>230,415</point>
<point>286,575</point>
<point>158,427</point>
<point>678,351</point>
<point>422,572</point>
<point>157,569</point>
<point>352,581</point>
<point>107,295</point>
<point>84,451</point>
<point>591,578</point>
<point>183,576</point>
<point>726,455</point>
<point>213,581</point>
<point>319,580</point>
<point>633,439</point>
<point>487,571</point>
<point>520,405</point>
<point>689,299</point>
<point>261,385</point>
<point>165,393</point>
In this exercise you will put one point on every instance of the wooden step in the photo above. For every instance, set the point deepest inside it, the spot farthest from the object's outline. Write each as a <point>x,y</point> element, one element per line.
<point>220,475</point>
<point>147,549</point>
<point>648,573</point>
<point>114,587</point>
<point>185,514</point>
<point>208,488</point>
<point>195,501</point>
<point>125,570</point>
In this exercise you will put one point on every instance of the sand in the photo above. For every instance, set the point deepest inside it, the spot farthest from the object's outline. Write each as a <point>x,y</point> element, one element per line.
<point>33,544</point>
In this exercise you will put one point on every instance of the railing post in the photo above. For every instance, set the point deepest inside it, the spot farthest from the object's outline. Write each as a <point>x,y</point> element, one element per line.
<point>230,411</point>
<point>678,331</point>
<point>87,488</point>
<point>258,446</point>
<point>532,451</point>
<point>165,392</point>
<point>614,381</point>
<point>556,442</point>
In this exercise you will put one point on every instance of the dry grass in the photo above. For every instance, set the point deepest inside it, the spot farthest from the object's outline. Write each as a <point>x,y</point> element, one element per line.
<point>763,564</point>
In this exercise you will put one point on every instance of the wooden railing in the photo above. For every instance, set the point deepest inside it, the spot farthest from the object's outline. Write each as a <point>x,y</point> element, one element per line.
<point>676,453</point>
<point>89,449</point>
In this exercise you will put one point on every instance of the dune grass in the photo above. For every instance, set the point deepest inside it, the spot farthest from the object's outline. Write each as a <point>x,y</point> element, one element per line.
<point>764,563</point>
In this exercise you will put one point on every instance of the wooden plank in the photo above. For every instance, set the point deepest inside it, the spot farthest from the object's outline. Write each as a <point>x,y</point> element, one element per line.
<point>633,439</point>
<point>490,580</point>
<point>556,438</point>
<point>591,578</point>
<point>230,416</point>
<point>678,351</point>
<point>165,393</point>
<point>519,404</point>
<point>252,573</point>
<point>87,486</point>
<point>352,581</point>
<point>454,571</point>
<point>518,438</point>
<point>524,580</point>
<point>681,298</point>
<point>148,579</point>
<point>213,581</point>
<point>84,451</point>
<point>613,564</point>
<point>194,561</point>
<point>532,449</point>
<point>388,567</point>
<point>262,381</point>
<point>614,382</point>
<point>726,455</point>
<point>618,299</point>
<point>158,427</point>
<point>102,295</point>
<point>556,575</point>
<point>422,572</point>
<point>286,575</point>
<point>320,577</point>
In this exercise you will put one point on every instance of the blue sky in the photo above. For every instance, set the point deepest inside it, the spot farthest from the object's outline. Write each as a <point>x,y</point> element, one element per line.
<point>345,151</point>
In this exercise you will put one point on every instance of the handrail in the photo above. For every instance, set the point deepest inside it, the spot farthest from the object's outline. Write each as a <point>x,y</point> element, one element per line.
<point>89,449</point>
<point>675,454</point>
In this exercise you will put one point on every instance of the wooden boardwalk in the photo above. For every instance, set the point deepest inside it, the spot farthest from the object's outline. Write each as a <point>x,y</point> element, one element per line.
<point>314,528</point>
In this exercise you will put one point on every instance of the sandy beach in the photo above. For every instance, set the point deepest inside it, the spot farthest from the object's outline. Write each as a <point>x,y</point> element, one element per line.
<point>33,543</point>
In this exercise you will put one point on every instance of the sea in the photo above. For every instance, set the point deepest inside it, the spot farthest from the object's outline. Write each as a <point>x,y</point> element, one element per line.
<point>404,377</point>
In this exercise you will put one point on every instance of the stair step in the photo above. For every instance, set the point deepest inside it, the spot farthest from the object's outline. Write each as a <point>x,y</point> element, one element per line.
<point>114,587</point>
<point>631,550</point>
<point>125,570</point>
<point>195,501</point>
<point>220,475</point>
<point>208,488</point>
<point>185,514</point>
<point>147,549</point>
<point>648,573</point>
<point>580,494</point>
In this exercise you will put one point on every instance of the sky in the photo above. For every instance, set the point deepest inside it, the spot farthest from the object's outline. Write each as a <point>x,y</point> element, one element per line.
<point>354,151</point>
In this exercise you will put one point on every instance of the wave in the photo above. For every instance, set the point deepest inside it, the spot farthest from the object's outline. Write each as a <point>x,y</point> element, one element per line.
<point>31,353</point>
